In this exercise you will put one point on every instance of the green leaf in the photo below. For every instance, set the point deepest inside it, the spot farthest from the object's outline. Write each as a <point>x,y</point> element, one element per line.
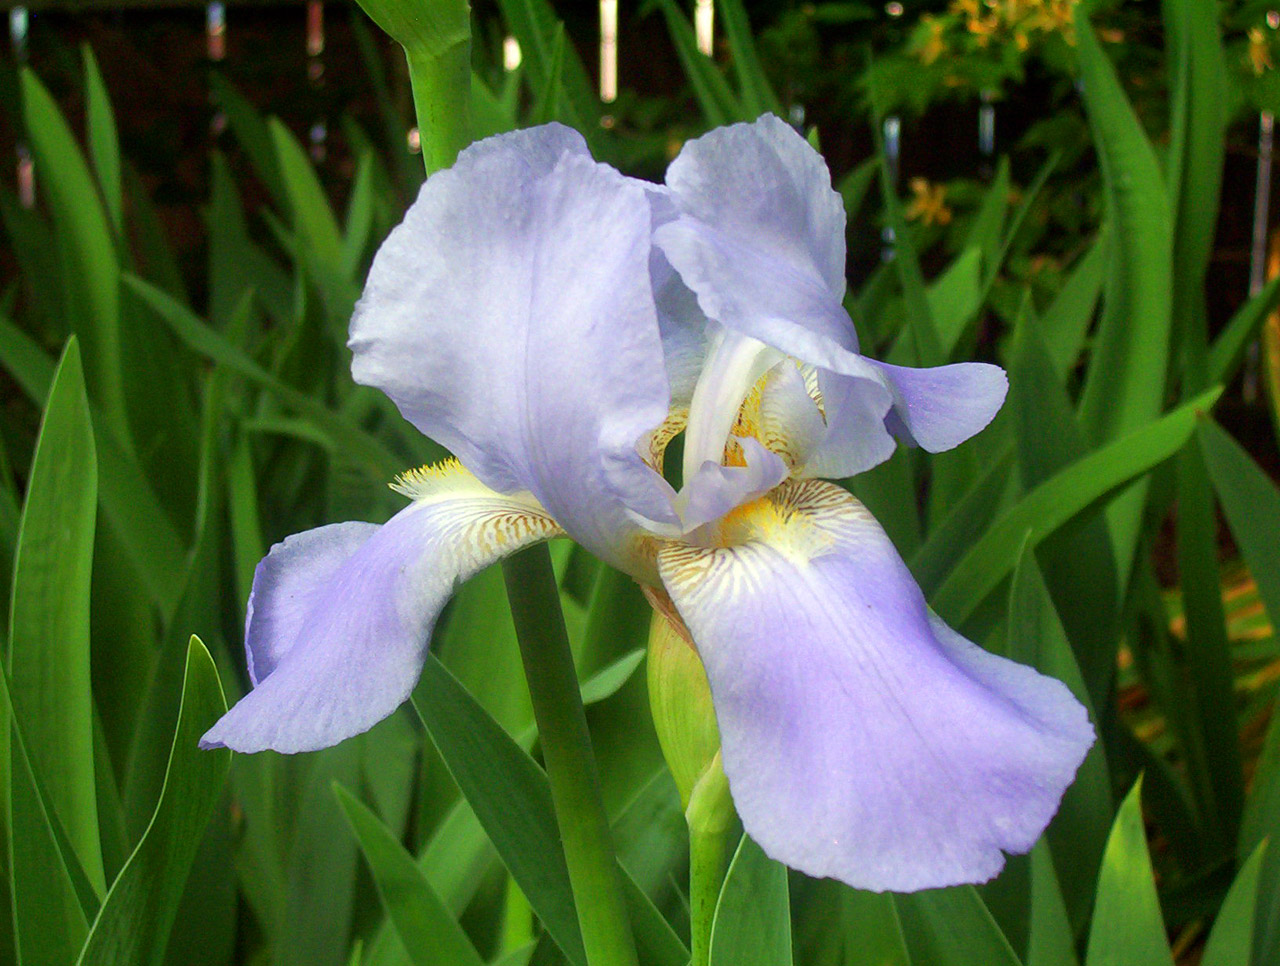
<point>1079,564</point>
<point>757,94</point>
<point>510,797</point>
<point>1198,89</point>
<point>1227,351</point>
<point>1078,833</point>
<point>1128,929</point>
<point>753,917</point>
<point>321,863</point>
<point>134,921</point>
<point>1066,321</point>
<point>548,106</point>
<point>1208,698</point>
<point>534,24</point>
<point>951,537</point>
<point>1231,941</point>
<point>921,327</point>
<point>717,100</point>
<point>378,462</point>
<point>1051,942</point>
<point>49,620</point>
<point>1251,503</point>
<point>952,927</point>
<point>317,240</point>
<point>430,934</point>
<point>1262,823</point>
<point>988,221</point>
<point>437,41</point>
<point>104,145</point>
<point>1125,384</point>
<point>313,220</point>
<point>51,898</point>
<point>128,499</point>
<point>1059,499</point>
<point>872,932</point>
<point>956,296</point>
<point>90,270</point>
<point>250,129</point>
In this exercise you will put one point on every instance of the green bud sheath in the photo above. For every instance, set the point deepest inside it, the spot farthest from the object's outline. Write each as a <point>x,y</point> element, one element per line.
<point>681,701</point>
<point>680,698</point>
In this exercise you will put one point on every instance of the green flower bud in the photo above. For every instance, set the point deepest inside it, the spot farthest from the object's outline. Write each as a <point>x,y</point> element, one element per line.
<point>681,701</point>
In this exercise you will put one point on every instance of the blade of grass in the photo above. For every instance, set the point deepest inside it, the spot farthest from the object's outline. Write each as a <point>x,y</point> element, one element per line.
<point>128,499</point>
<point>757,93</point>
<point>49,616</point>
<point>1125,383</point>
<point>431,935</point>
<point>1058,500</point>
<point>1128,929</point>
<point>134,922</point>
<point>379,462</point>
<point>715,97</point>
<point>1251,503</point>
<point>1231,940</point>
<point>952,927</point>
<point>104,145</point>
<point>753,917</point>
<point>90,270</point>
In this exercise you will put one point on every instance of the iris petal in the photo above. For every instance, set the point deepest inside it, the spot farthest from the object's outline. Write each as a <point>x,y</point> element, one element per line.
<point>940,408</point>
<point>340,617</point>
<point>511,318</point>
<point>862,738</point>
<point>760,240</point>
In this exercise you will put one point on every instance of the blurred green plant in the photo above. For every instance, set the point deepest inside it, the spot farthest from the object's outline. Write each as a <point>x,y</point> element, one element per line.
<point>194,434</point>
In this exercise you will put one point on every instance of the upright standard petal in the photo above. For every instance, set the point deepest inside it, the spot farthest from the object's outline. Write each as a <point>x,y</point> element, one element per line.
<point>511,318</point>
<point>862,738</point>
<point>340,617</point>
<point>867,403</point>
<point>760,237</point>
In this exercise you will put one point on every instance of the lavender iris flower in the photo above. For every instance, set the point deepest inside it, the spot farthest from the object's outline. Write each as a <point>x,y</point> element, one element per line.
<point>555,325</point>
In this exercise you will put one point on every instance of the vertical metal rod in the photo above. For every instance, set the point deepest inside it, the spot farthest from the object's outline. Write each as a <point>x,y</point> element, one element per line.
<point>892,159</point>
<point>19,27</point>
<point>215,33</point>
<point>704,25</point>
<point>319,133</point>
<point>987,124</point>
<point>511,55</point>
<point>608,51</point>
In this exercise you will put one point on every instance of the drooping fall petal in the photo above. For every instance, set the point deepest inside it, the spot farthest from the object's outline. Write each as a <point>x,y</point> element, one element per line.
<point>340,617</point>
<point>863,739</point>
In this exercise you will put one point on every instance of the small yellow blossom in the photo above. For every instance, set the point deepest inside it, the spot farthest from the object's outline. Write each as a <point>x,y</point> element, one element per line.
<point>1259,51</point>
<point>929,204</point>
<point>935,45</point>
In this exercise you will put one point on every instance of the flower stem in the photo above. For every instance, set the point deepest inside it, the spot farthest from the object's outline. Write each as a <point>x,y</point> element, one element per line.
<point>710,818</point>
<point>571,765</point>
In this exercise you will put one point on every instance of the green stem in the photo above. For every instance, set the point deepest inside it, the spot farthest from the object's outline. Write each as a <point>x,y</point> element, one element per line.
<point>571,765</point>
<point>710,817</point>
<point>441,82</point>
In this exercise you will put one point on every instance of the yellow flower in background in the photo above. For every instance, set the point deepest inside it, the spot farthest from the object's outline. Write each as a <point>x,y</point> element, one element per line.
<point>929,204</point>
<point>935,45</point>
<point>1259,51</point>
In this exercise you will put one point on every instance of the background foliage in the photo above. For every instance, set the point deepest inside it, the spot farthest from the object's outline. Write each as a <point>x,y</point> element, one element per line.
<point>168,417</point>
